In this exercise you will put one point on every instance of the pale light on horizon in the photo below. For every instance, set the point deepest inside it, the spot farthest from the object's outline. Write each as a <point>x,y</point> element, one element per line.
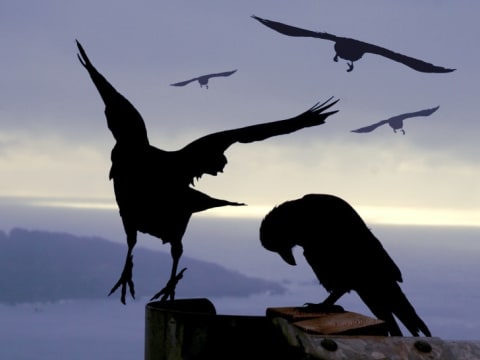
<point>383,215</point>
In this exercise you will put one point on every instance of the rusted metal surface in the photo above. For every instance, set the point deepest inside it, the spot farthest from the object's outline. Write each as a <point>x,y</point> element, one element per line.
<point>344,323</point>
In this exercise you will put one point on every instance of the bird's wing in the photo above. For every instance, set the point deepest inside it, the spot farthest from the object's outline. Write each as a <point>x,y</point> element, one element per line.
<point>425,112</point>
<point>411,62</point>
<point>225,73</point>
<point>294,31</point>
<point>124,121</point>
<point>380,260</point>
<point>370,128</point>
<point>206,153</point>
<point>183,83</point>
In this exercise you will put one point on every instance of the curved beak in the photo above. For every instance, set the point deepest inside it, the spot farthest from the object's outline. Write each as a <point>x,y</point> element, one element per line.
<point>287,256</point>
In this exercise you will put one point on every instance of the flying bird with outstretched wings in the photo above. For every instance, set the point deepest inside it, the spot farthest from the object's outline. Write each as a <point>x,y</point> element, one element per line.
<point>154,188</point>
<point>353,50</point>
<point>203,80</point>
<point>396,122</point>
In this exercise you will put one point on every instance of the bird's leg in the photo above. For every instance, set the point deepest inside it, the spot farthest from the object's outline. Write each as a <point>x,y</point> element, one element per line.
<point>328,305</point>
<point>169,290</point>
<point>350,66</point>
<point>126,276</point>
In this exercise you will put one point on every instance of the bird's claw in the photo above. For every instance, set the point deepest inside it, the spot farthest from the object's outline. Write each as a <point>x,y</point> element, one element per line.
<point>169,290</point>
<point>350,67</point>
<point>125,280</point>
<point>321,308</point>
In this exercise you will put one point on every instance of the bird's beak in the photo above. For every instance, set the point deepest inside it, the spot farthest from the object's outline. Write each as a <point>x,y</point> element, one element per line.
<point>287,256</point>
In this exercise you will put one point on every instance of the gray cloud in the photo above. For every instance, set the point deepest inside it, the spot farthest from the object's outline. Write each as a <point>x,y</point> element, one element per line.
<point>53,117</point>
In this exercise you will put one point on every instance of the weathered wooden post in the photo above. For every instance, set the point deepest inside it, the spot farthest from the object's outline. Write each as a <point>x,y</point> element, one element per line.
<point>174,329</point>
<point>191,329</point>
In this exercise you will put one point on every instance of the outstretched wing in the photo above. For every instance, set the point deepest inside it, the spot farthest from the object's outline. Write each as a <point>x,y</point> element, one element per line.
<point>205,155</point>
<point>204,77</point>
<point>183,83</point>
<point>411,62</point>
<point>370,128</point>
<point>294,31</point>
<point>425,112</point>
<point>123,120</point>
<point>398,118</point>
<point>225,73</point>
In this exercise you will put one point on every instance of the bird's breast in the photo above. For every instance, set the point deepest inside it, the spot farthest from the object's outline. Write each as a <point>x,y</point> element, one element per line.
<point>349,50</point>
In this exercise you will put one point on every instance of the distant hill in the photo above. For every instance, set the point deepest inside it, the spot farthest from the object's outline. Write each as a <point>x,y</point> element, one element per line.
<point>38,266</point>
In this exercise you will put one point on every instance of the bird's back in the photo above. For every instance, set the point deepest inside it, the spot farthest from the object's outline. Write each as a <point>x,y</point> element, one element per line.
<point>338,245</point>
<point>350,257</point>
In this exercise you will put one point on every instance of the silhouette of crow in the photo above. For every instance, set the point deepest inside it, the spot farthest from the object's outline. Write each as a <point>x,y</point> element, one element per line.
<point>396,122</point>
<point>203,80</point>
<point>152,186</point>
<point>343,254</point>
<point>352,50</point>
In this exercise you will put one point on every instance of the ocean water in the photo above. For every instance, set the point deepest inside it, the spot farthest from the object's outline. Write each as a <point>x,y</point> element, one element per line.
<point>440,268</point>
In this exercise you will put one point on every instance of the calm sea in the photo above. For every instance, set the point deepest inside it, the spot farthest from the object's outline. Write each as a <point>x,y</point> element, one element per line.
<point>440,268</point>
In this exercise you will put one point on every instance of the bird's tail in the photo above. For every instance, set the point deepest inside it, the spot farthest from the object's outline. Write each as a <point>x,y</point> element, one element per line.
<point>213,202</point>
<point>387,301</point>
<point>406,313</point>
<point>200,201</point>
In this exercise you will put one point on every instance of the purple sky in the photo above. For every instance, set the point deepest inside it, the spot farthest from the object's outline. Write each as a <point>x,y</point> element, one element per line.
<point>54,143</point>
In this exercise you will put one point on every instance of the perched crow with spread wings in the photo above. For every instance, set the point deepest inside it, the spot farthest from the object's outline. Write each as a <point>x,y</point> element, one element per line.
<point>153,187</point>
<point>203,80</point>
<point>353,50</point>
<point>344,255</point>
<point>396,122</point>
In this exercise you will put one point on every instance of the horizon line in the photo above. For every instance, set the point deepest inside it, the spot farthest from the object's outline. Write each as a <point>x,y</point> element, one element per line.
<point>371,214</point>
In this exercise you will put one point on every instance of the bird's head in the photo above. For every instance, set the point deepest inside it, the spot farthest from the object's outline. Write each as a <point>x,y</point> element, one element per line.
<point>285,252</point>
<point>287,256</point>
<point>274,235</point>
<point>215,165</point>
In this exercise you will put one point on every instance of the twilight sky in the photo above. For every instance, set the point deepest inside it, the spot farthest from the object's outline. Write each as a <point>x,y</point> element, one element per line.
<point>55,145</point>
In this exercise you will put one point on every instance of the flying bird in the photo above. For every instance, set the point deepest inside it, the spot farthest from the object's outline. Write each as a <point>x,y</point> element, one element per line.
<point>203,80</point>
<point>344,255</point>
<point>154,188</point>
<point>396,122</point>
<point>353,50</point>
